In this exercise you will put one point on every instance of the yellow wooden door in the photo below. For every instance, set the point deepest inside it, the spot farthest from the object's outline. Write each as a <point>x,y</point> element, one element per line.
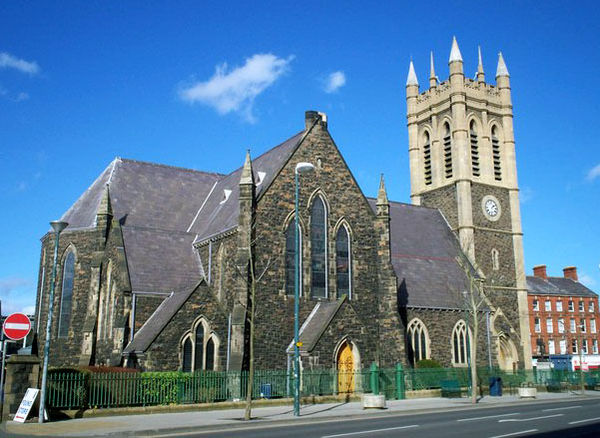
<point>346,369</point>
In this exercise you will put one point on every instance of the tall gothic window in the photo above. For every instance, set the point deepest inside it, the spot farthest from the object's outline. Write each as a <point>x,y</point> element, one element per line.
<point>460,344</point>
<point>427,158</point>
<point>210,355</point>
<point>64,320</point>
<point>318,240</point>
<point>447,151</point>
<point>343,262</point>
<point>290,259</point>
<point>187,355</point>
<point>418,340</point>
<point>199,347</point>
<point>474,149</point>
<point>496,154</point>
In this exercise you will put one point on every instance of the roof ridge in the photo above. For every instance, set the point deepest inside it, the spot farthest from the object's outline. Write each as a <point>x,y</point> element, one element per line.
<point>408,204</point>
<point>170,166</point>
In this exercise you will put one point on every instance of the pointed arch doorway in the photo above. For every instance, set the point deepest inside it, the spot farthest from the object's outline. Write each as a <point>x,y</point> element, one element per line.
<point>345,368</point>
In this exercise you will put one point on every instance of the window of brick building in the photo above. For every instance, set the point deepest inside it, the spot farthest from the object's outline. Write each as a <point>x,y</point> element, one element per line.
<point>551,349</point>
<point>536,305</point>
<point>582,325</point>
<point>549,325</point>
<point>584,346</point>
<point>561,325</point>
<point>573,326</point>
<point>548,306</point>
<point>591,306</point>
<point>571,306</point>
<point>537,325</point>
<point>563,346</point>
<point>592,325</point>
<point>574,346</point>
<point>559,307</point>
<point>595,346</point>
<point>581,306</point>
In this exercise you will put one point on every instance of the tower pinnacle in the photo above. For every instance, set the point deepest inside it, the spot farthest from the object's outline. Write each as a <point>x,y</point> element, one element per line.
<point>455,52</point>
<point>501,70</point>
<point>382,193</point>
<point>411,79</point>
<point>480,73</point>
<point>432,76</point>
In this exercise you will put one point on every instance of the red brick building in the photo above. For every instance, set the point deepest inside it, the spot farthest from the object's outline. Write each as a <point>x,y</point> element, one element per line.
<point>563,314</point>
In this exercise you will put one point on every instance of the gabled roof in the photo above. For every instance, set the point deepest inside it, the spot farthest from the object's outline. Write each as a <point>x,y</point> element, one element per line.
<point>145,194</point>
<point>424,251</point>
<point>220,215</point>
<point>557,286</point>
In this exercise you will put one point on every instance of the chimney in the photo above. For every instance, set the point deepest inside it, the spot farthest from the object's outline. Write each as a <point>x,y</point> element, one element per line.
<point>540,271</point>
<point>312,117</point>
<point>570,272</point>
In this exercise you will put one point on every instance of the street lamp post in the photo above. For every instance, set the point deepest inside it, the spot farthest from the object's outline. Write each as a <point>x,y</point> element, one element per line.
<point>300,168</point>
<point>57,226</point>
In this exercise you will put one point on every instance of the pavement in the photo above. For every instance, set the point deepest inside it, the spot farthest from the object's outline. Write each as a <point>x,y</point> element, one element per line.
<point>197,421</point>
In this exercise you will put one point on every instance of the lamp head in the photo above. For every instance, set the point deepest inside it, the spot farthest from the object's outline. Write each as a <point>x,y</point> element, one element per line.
<point>58,226</point>
<point>304,167</point>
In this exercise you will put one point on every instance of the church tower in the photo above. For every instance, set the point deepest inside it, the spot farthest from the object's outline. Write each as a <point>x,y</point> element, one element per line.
<point>462,161</point>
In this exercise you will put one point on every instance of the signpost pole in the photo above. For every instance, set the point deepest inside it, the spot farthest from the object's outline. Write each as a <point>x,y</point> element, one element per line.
<point>2,370</point>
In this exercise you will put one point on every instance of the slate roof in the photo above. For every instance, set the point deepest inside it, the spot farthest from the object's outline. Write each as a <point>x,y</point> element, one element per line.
<point>424,251</point>
<point>315,324</point>
<point>217,216</point>
<point>557,286</point>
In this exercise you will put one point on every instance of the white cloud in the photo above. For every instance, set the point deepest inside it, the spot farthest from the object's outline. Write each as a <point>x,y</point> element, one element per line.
<point>594,173</point>
<point>15,294</point>
<point>28,310</point>
<point>9,61</point>
<point>526,194</point>
<point>9,284</point>
<point>335,81</point>
<point>588,280</point>
<point>235,90</point>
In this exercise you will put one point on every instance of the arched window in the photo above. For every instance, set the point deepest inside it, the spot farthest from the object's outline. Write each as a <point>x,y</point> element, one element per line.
<point>418,341</point>
<point>460,344</point>
<point>343,265</point>
<point>474,149</point>
<point>210,355</point>
<point>199,347</point>
<point>290,259</point>
<point>64,320</point>
<point>496,154</point>
<point>187,355</point>
<point>447,151</point>
<point>318,240</point>
<point>427,158</point>
<point>495,259</point>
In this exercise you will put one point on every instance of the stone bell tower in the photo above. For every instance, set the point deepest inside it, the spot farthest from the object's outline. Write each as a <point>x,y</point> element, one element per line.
<point>462,161</point>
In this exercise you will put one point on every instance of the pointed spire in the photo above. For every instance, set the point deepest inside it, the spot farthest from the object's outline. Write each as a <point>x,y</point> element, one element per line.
<point>382,198</point>
<point>247,174</point>
<point>455,52</point>
<point>411,79</point>
<point>480,72</point>
<point>501,70</point>
<point>105,207</point>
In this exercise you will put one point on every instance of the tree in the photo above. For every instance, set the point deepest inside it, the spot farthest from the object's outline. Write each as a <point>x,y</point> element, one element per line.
<point>474,299</point>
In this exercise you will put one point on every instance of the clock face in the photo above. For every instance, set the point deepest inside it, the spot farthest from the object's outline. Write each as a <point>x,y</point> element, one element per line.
<point>491,207</point>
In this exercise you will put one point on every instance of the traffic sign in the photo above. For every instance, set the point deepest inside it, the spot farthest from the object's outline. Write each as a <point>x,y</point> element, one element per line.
<point>16,326</point>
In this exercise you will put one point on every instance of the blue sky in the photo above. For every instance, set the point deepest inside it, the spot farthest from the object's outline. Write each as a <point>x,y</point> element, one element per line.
<point>194,84</point>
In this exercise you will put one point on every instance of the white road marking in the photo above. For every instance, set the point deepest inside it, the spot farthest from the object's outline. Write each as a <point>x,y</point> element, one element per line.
<point>515,433</point>
<point>489,416</point>
<point>559,409</point>
<point>370,431</point>
<point>530,419</point>
<point>584,421</point>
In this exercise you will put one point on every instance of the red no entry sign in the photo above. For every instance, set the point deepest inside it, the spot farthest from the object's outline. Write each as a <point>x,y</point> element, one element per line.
<point>16,326</point>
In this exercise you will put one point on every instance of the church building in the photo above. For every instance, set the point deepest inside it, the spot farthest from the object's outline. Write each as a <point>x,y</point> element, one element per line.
<point>157,265</point>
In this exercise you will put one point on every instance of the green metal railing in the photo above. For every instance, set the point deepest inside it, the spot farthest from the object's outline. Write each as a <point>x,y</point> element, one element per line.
<point>83,390</point>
